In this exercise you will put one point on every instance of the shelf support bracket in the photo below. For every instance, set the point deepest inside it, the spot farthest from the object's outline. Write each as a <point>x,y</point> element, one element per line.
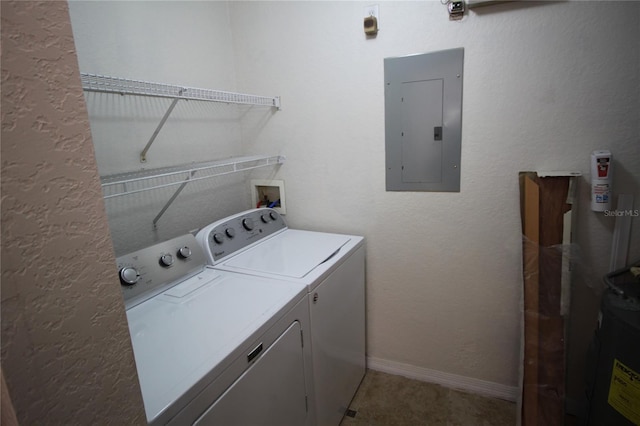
<point>172,199</point>
<point>143,154</point>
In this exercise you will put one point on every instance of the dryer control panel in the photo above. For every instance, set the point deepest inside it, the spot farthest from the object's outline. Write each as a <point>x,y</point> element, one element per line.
<point>238,232</point>
<point>150,271</point>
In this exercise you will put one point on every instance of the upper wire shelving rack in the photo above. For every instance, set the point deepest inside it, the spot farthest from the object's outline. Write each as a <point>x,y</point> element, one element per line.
<point>124,86</point>
<point>106,84</point>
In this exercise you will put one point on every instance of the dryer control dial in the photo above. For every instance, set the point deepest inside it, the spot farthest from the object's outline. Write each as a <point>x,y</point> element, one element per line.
<point>230,232</point>
<point>166,260</point>
<point>218,238</point>
<point>184,252</point>
<point>247,224</point>
<point>129,275</point>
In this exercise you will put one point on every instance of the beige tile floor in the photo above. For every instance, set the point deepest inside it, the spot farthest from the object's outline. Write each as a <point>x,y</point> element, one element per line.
<point>388,400</point>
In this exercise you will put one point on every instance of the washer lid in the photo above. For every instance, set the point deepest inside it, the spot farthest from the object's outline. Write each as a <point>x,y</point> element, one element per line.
<point>184,334</point>
<point>292,253</point>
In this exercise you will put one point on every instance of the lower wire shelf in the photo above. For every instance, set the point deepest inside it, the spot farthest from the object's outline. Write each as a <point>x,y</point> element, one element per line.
<point>180,176</point>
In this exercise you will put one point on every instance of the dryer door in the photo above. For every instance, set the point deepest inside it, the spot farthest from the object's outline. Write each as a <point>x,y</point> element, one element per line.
<point>270,392</point>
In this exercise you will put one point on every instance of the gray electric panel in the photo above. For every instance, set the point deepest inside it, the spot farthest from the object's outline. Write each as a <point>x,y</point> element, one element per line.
<point>423,121</point>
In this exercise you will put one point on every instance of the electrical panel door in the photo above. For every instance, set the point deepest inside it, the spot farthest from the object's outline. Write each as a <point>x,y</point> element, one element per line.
<point>421,114</point>
<point>423,120</point>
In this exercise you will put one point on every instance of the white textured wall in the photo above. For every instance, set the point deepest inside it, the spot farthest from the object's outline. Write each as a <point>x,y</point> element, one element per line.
<point>66,353</point>
<point>544,84</point>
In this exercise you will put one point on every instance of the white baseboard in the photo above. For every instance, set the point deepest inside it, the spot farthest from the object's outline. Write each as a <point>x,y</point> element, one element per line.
<point>482,387</point>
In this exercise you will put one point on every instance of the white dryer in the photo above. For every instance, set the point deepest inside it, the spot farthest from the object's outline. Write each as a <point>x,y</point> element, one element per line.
<point>331,266</point>
<point>213,347</point>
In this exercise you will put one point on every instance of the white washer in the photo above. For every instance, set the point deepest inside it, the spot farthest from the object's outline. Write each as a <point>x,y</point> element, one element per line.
<point>331,266</point>
<point>213,347</point>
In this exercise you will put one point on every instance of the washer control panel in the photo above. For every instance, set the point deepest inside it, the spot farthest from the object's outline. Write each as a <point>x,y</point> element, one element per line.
<point>239,231</point>
<point>147,272</point>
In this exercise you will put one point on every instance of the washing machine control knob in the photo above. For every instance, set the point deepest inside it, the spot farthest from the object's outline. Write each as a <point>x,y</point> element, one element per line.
<point>230,232</point>
<point>166,260</point>
<point>265,218</point>
<point>129,275</point>
<point>218,238</point>
<point>273,215</point>
<point>184,252</point>
<point>247,224</point>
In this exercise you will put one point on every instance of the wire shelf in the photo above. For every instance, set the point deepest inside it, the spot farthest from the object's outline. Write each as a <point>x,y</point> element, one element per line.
<point>179,176</point>
<point>146,180</point>
<point>106,84</point>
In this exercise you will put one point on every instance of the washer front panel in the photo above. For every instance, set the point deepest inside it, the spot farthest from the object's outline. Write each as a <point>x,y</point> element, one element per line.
<point>184,334</point>
<point>284,404</point>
